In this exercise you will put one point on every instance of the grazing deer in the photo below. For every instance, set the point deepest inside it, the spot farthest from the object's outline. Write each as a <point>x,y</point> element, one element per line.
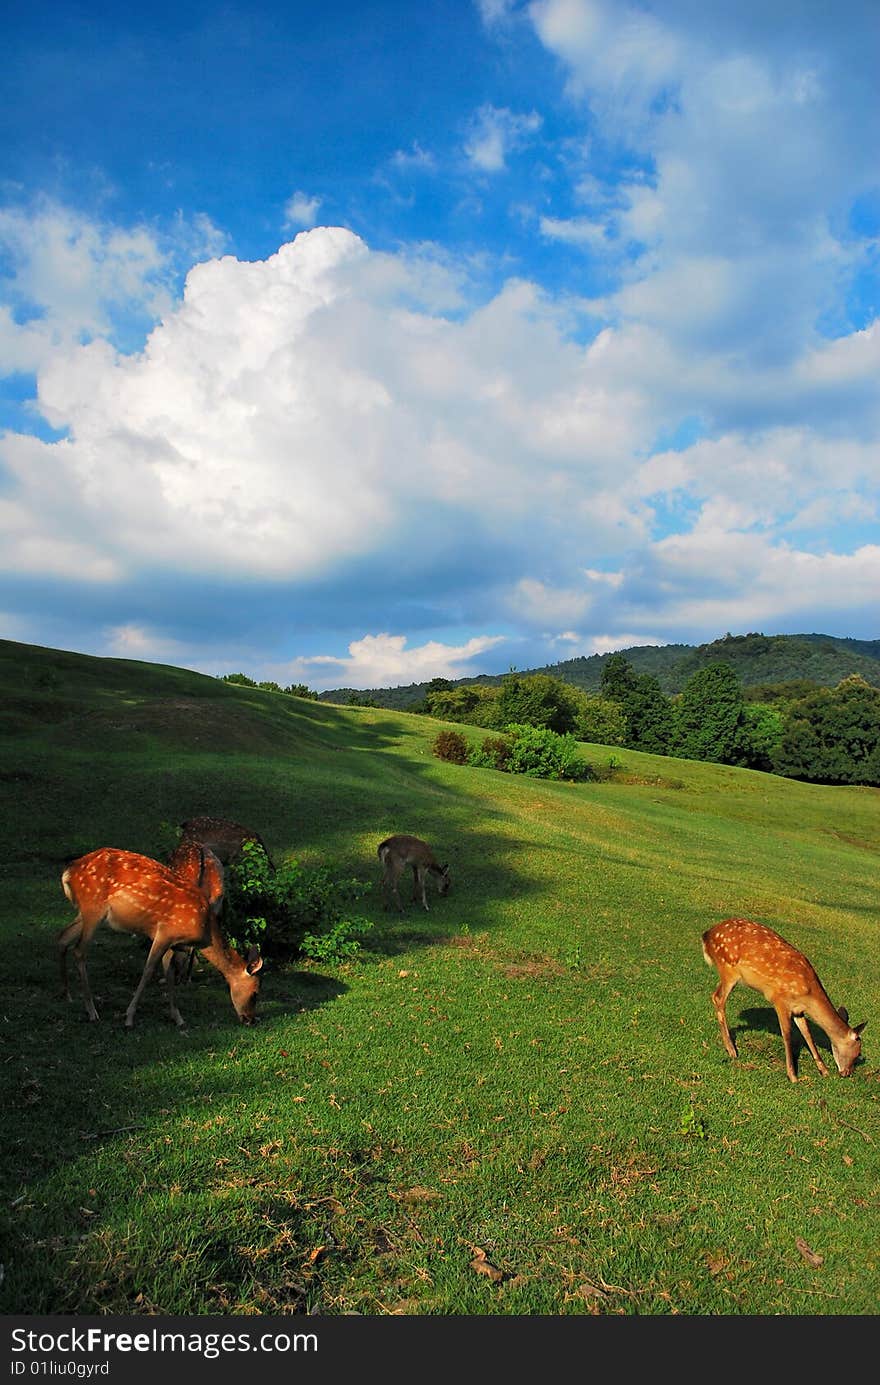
<point>741,950</point>
<point>396,853</point>
<point>198,864</point>
<point>134,894</point>
<point>226,839</point>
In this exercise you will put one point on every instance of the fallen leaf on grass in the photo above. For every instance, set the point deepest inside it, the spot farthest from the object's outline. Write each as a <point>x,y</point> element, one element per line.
<point>587,1291</point>
<point>482,1265</point>
<point>809,1255</point>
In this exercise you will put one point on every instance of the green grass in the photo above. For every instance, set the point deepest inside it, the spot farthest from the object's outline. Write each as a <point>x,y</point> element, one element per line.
<point>531,1070</point>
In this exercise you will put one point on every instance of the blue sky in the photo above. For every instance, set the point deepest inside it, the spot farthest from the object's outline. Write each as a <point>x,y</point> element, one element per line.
<point>359,345</point>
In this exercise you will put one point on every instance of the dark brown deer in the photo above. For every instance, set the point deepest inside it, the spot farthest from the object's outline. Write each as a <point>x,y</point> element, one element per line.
<point>134,894</point>
<point>741,950</point>
<point>396,853</point>
<point>226,839</point>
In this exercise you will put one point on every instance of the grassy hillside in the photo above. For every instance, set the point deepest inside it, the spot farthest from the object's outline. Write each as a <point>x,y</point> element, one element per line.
<point>756,659</point>
<point>530,1075</point>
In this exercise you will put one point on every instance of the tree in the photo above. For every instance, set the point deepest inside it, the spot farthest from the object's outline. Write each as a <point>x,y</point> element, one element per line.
<point>649,717</point>
<point>300,690</point>
<point>709,716</point>
<point>600,720</point>
<point>473,703</point>
<point>536,699</point>
<point>761,735</point>
<point>833,736</point>
<point>645,707</point>
<point>618,678</point>
<point>240,678</point>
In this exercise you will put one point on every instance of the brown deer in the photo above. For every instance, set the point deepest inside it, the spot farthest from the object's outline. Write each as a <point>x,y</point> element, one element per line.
<point>226,839</point>
<point>741,950</point>
<point>198,864</point>
<point>134,894</point>
<point>396,853</point>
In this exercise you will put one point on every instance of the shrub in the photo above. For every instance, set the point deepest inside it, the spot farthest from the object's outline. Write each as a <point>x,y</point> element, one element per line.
<point>494,753</point>
<point>293,910</point>
<point>451,746</point>
<point>544,754</point>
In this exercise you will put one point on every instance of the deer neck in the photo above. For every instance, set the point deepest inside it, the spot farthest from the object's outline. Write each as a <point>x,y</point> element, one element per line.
<point>820,1009</point>
<point>220,954</point>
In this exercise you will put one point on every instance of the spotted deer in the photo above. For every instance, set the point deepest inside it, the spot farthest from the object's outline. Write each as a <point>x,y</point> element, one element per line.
<point>226,839</point>
<point>198,864</point>
<point>741,950</point>
<point>395,854</point>
<point>134,894</point>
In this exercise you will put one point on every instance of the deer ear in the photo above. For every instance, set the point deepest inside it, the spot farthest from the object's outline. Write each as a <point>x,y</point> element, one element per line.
<point>844,1013</point>
<point>254,961</point>
<point>857,1028</point>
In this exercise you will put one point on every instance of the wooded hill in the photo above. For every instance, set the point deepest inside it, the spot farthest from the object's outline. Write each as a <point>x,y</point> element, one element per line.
<point>757,659</point>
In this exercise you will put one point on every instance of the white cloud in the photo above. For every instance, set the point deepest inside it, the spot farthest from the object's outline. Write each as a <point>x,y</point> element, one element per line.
<point>540,605</point>
<point>414,158</point>
<point>611,644</point>
<point>495,134</point>
<point>715,580</point>
<point>575,230</point>
<point>751,130</point>
<point>300,210</point>
<point>383,660</point>
<point>133,641</point>
<point>70,277</point>
<point>332,420</point>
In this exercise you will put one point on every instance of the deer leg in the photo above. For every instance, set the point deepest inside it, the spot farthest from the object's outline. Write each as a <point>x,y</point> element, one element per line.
<point>801,1022</point>
<point>719,1000</point>
<point>66,938</point>
<point>170,961</point>
<point>784,1018</point>
<point>419,878</point>
<point>157,951</point>
<point>78,935</point>
<point>79,954</point>
<point>395,887</point>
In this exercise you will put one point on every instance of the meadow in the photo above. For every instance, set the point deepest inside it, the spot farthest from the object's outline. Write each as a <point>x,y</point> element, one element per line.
<point>515,1103</point>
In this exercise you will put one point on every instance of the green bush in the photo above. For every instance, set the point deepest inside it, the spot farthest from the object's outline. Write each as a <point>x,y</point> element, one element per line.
<point>451,746</point>
<point>291,911</point>
<point>544,754</point>
<point>494,753</point>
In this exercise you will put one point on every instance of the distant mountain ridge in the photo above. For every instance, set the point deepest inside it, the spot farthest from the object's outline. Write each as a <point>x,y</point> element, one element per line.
<point>756,658</point>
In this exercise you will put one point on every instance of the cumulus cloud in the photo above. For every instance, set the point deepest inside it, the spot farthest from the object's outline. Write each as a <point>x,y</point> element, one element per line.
<point>293,415</point>
<point>384,660</point>
<point>357,431</point>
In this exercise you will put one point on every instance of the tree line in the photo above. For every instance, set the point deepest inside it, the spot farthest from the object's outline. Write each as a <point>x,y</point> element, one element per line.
<point>828,735</point>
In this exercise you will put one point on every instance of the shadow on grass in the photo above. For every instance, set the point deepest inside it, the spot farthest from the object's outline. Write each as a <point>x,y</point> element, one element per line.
<point>765,1021</point>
